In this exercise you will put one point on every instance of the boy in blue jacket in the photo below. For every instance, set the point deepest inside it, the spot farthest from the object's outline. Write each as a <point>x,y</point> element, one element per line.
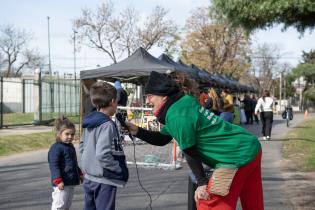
<point>63,164</point>
<point>102,155</point>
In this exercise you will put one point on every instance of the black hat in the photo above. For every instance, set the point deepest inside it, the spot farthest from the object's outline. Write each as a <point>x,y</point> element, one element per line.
<point>161,85</point>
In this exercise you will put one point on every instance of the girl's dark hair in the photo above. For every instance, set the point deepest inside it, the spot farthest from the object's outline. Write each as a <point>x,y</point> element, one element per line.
<point>102,94</point>
<point>63,123</point>
<point>265,94</point>
<point>186,84</point>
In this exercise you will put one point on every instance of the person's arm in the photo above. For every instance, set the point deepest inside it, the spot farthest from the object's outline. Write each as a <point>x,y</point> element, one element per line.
<point>153,137</point>
<point>196,167</point>
<point>195,164</point>
<point>54,156</point>
<point>103,152</point>
<point>81,145</point>
<point>257,106</point>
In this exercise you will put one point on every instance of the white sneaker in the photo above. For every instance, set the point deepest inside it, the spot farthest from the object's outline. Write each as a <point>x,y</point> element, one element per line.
<point>268,138</point>
<point>264,138</point>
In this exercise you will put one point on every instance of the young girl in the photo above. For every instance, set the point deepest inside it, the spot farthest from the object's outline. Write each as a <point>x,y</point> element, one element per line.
<point>63,164</point>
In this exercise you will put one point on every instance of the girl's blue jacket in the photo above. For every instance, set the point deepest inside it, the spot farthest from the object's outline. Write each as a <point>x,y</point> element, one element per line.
<point>63,164</point>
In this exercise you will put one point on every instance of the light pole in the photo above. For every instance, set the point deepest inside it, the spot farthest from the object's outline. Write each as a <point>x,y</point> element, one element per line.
<point>50,73</point>
<point>75,71</point>
<point>280,90</point>
<point>49,61</point>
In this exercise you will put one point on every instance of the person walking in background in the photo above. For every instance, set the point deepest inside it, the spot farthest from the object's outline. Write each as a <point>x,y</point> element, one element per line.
<point>203,98</point>
<point>103,159</point>
<point>233,152</point>
<point>264,105</point>
<point>213,101</point>
<point>253,106</point>
<point>63,165</point>
<point>248,109</point>
<point>228,107</point>
<point>122,95</point>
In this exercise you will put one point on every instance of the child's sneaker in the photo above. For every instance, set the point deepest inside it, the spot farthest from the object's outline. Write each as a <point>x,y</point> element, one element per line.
<point>264,138</point>
<point>268,138</point>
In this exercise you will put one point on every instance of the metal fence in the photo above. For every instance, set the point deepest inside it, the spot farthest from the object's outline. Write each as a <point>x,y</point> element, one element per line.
<point>30,101</point>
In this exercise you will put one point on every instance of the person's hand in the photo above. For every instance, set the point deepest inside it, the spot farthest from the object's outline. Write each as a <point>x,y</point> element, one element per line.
<point>133,129</point>
<point>201,193</point>
<point>61,186</point>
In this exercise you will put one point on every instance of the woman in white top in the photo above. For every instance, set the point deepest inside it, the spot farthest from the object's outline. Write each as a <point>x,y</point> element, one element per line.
<point>264,106</point>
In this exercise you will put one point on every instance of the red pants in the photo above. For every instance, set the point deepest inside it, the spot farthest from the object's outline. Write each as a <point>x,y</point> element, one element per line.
<point>246,184</point>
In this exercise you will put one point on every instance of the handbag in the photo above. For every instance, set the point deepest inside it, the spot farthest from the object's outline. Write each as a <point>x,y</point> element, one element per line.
<point>221,180</point>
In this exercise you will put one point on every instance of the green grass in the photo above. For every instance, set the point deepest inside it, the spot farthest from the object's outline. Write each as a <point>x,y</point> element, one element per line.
<point>27,118</point>
<point>18,118</point>
<point>301,146</point>
<point>29,142</point>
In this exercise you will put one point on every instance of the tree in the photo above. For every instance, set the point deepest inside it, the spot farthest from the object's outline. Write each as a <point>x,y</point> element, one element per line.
<point>308,57</point>
<point>15,54</point>
<point>288,90</point>
<point>116,36</point>
<point>213,45</point>
<point>254,14</point>
<point>306,69</point>
<point>265,65</point>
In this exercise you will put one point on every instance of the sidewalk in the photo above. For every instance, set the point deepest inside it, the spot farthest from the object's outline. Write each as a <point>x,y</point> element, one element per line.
<point>26,129</point>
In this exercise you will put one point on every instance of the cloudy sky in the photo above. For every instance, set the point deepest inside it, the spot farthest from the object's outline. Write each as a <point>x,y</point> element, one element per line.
<point>32,15</point>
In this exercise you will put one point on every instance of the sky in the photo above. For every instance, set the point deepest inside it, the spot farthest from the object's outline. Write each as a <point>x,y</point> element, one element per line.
<point>31,15</point>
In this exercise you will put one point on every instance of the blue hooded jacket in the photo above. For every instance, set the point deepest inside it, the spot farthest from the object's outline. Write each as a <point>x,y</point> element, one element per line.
<point>63,164</point>
<point>102,155</point>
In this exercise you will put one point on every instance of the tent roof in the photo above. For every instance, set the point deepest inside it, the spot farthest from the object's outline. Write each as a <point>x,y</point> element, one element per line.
<point>139,64</point>
<point>178,66</point>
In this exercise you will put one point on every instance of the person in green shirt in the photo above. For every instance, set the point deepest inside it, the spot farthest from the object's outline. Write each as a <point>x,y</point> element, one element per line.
<point>205,138</point>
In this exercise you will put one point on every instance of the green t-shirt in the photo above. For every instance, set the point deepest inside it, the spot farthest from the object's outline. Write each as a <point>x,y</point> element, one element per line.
<point>219,143</point>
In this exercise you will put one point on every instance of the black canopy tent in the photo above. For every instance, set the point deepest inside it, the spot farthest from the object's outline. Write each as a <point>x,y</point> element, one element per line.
<point>208,79</point>
<point>188,70</point>
<point>201,79</point>
<point>134,69</point>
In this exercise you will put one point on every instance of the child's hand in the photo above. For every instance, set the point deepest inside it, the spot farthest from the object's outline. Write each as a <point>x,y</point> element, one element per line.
<point>81,178</point>
<point>61,186</point>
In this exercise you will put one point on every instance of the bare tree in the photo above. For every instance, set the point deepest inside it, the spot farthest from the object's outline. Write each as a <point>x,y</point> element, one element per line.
<point>117,36</point>
<point>15,53</point>
<point>215,46</point>
<point>265,64</point>
<point>156,30</point>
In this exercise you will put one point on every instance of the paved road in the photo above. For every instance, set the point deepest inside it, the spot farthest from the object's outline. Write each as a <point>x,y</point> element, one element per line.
<point>25,184</point>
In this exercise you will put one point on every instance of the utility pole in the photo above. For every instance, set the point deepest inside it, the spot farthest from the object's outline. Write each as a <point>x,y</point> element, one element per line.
<point>51,88</point>
<point>75,72</point>
<point>280,90</point>
<point>74,53</point>
<point>49,60</point>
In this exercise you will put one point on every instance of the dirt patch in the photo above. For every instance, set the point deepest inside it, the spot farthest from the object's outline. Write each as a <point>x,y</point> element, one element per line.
<point>300,186</point>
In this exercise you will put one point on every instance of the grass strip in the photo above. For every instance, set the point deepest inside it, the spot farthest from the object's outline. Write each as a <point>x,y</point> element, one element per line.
<point>28,142</point>
<point>300,148</point>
